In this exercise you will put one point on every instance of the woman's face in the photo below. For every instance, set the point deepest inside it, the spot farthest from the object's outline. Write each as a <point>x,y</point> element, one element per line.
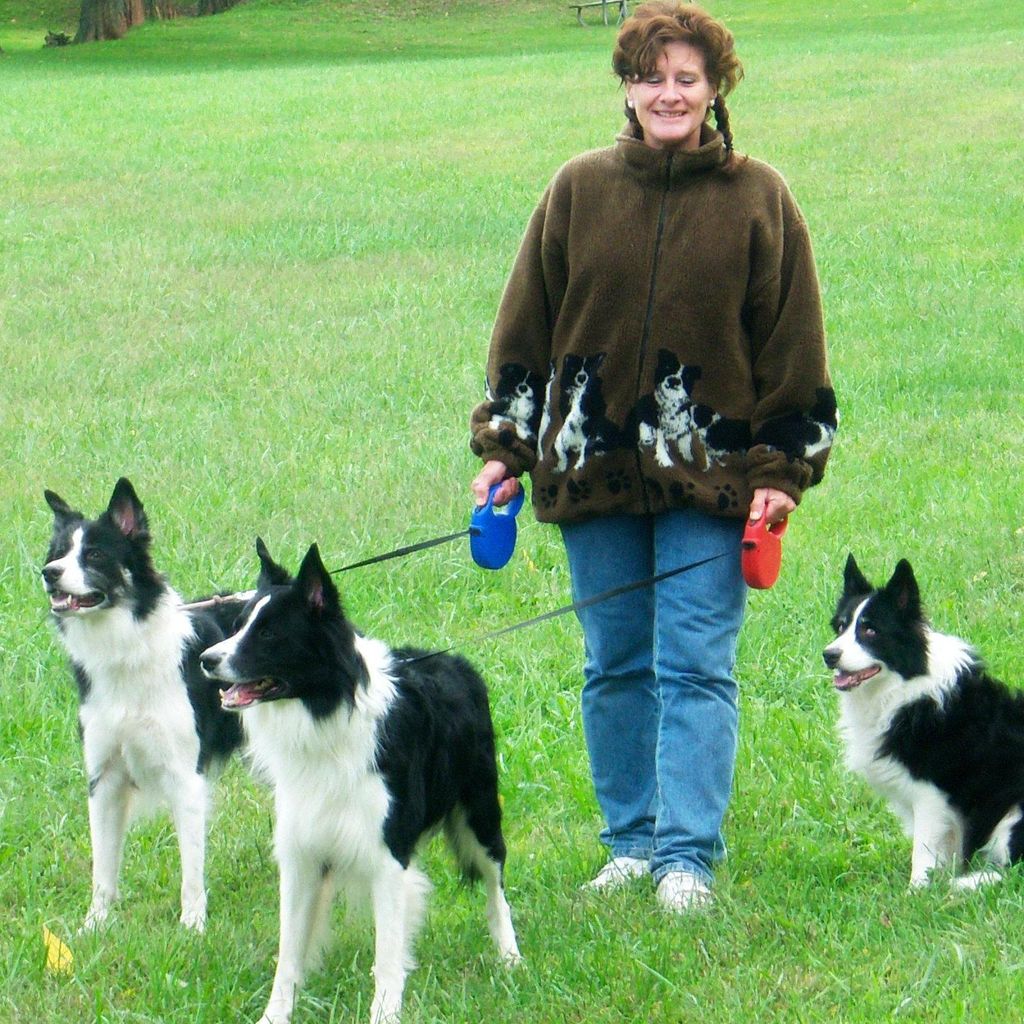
<point>672,102</point>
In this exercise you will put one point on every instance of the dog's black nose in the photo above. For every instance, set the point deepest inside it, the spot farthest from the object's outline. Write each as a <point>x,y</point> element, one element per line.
<point>209,661</point>
<point>52,573</point>
<point>831,657</point>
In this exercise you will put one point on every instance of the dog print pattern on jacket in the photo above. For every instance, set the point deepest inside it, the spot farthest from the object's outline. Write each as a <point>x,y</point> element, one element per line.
<point>585,429</point>
<point>665,418</point>
<point>804,436</point>
<point>565,422</point>
<point>515,400</point>
<point>672,424</point>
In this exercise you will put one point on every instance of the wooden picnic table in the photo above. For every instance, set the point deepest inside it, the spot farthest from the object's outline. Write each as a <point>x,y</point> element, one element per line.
<point>622,5</point>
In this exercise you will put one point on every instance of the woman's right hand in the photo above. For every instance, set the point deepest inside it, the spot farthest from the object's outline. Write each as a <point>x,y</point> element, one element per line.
<point>494,472</point>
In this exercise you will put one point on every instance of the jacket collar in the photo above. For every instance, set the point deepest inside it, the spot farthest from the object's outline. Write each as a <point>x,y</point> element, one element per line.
<point>650,166</point>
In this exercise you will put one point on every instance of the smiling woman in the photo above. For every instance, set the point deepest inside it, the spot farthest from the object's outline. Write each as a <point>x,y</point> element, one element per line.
<point>658,367</point>
<point>674,100</point>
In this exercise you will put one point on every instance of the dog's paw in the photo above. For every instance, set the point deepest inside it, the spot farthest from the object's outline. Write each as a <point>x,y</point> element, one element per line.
<point>385,1010</point>
<point>194,918</point>
<point>278,1011</point>
<point>275,1018</point>
<point>95,919</point>
<point>511,958</point>
<point>975,880</point>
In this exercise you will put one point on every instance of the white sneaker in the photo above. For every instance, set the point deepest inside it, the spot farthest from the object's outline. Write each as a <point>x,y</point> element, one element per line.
<point>616,873</point>
<point>682,892</point>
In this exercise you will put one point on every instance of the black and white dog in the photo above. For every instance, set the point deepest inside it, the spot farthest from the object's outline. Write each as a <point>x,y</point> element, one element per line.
<point>151,722</point>
<point>369,751</point>
<point>934,734</point>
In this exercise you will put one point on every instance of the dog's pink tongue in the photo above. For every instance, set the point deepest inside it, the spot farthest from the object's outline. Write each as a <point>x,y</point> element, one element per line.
<point>237,697</point>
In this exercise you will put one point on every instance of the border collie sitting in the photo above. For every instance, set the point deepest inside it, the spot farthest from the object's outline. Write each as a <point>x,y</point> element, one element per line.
<point>935,735</point>
<point>151,723</point>
<point>369,751</point>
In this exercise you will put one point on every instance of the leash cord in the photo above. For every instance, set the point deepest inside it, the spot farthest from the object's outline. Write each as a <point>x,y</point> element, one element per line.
<point>248,595</point>
<point>575,606</point>
<point>408,550</point>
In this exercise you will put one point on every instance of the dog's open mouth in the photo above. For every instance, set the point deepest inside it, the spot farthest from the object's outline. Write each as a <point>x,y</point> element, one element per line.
<point>851,680</point>
<point>61,601</point>
<point>244,695</point>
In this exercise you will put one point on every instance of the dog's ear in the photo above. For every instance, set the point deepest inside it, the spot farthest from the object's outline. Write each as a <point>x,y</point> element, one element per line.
<point>315,583</point>
<point>61,509</point>
<point>271,574</point>
<point>126,511</point>
<point>854,581</point>
<point>904,591</point>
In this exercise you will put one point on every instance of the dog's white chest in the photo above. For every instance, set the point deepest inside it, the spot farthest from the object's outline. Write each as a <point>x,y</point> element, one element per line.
<point>137,714</point>
<point>143,738</point>
<point>337,825</point>
<point>330,799</point>
<point>863,725</point>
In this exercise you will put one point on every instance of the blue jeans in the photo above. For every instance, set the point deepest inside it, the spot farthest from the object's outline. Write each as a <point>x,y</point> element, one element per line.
<point>659,699</point>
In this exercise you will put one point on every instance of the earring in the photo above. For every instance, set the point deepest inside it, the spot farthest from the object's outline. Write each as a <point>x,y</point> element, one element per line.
<point>629,103</point>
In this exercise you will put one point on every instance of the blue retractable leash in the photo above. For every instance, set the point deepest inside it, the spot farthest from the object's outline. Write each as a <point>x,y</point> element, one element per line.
<point>492,536</point>
<point>492,530</point>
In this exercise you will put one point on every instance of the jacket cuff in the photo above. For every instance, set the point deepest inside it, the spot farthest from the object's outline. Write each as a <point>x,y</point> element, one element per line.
<point>504,445</point>
<point>771,467</point>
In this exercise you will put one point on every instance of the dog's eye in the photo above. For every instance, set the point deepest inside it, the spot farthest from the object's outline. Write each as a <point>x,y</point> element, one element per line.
<point>93,555</point>
<point>867,631</point>
<point>267,633</point>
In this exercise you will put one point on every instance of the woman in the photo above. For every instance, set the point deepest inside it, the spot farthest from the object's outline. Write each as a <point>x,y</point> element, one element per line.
<point>658,367</point>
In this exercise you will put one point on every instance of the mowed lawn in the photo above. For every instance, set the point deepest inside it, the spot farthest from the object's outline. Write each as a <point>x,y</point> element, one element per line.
<point>251,262</point>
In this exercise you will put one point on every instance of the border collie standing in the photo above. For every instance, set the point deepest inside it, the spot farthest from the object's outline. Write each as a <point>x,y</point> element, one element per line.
<point>935,735</point>
<point>369,751</point>
<point>151,723</point>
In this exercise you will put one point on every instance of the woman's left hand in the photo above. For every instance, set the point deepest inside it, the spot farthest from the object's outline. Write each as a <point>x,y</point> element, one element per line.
<point>773,505</point>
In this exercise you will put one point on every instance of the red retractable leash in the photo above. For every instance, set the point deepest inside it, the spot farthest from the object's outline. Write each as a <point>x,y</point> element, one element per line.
<point>761,552</point>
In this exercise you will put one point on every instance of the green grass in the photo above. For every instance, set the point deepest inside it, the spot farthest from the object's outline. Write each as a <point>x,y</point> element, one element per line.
<point>251,262</point>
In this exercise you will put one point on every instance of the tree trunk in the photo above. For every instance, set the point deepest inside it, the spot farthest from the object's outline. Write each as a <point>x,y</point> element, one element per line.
<point>108,19</point>
<point>161,10</point>
<point>101,19</point>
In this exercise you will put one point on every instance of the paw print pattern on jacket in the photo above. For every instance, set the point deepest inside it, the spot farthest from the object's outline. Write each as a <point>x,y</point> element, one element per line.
<point>547,496</point>
<point>617,481</point>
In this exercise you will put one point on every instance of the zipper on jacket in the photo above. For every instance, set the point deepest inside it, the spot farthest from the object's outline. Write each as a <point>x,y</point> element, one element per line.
<point>649,315</point>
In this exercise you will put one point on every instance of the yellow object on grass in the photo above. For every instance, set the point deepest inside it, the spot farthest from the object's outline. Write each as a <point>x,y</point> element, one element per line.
<point>59,957</point>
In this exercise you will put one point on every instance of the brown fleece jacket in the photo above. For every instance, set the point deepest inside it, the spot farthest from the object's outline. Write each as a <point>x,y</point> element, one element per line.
<point>660,340</point>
